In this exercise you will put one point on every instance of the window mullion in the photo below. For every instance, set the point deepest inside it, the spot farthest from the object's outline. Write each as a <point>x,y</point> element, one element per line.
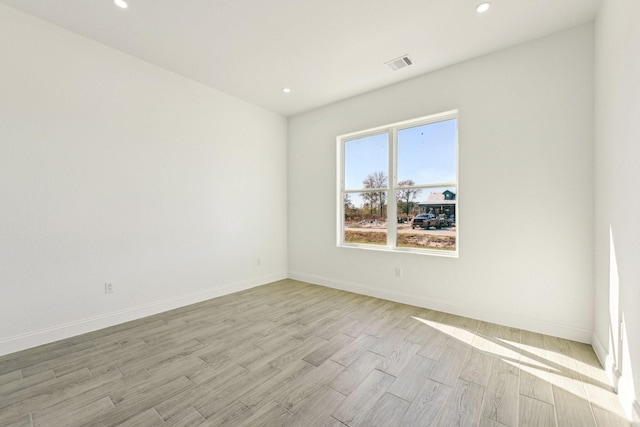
<point>341,190</point>
<point>392,207</point>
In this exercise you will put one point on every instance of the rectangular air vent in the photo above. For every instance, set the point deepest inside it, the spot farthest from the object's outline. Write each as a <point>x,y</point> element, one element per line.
<point>398,63</point>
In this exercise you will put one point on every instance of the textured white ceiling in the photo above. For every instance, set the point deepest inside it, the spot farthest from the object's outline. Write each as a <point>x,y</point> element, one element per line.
<point>324,50</point>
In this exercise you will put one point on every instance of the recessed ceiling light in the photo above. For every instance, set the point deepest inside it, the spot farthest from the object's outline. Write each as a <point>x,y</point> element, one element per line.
<point>121,3</point>
<point>483,7</point>
<point>286,90</point>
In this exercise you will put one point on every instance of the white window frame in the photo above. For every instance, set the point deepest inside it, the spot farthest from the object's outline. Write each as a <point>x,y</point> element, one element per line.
<point>392,187</point>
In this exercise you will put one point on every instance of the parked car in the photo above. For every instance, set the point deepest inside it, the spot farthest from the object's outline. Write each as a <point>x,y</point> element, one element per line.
<point>426,221</point>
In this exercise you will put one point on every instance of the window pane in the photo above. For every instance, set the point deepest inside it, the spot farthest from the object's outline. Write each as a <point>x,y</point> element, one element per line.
<point>366,162</point>
<point>431,223</point>
<point>365,218</point>
<point>427,154</point>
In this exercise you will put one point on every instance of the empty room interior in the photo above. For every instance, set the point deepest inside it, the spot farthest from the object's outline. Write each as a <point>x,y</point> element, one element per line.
<point>183,241</point>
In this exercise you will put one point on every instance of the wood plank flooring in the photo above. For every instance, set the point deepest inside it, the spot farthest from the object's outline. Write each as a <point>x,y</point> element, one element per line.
<point>294,354</point>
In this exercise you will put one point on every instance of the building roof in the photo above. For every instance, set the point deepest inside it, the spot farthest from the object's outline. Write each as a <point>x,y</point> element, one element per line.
<point>437,202</point>
<point>437,198</point>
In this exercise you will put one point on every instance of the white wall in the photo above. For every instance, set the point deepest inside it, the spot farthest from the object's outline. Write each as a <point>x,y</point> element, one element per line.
<point>115,170</point>
<point>618,197</point>
<point>526,148</point>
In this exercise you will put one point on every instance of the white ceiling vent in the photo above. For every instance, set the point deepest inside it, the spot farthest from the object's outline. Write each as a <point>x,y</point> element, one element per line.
<point>398,63</point>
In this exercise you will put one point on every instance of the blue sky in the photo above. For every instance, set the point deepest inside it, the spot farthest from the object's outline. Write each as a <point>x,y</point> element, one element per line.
<point>426,155</point>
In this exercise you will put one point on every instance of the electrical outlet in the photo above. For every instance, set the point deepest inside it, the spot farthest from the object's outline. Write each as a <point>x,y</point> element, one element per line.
<point>108,288</point>
<point>398,272</point>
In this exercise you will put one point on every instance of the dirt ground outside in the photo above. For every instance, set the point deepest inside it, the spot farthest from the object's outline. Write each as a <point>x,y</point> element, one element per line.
<point>444,239</point>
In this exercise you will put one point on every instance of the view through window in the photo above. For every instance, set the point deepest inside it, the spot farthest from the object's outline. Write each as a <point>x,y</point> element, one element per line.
<point>398,186</point>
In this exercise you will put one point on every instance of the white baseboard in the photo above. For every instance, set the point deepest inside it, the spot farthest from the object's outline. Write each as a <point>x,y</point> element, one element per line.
<point>55,333</point>
<point>606,361</point>
<point>67,330</point>
<point>601,352</point>
<point>615,378</point>
<point>507,319</point>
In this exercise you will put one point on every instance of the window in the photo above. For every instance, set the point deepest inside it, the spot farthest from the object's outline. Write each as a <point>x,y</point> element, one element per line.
<point>398,186</point>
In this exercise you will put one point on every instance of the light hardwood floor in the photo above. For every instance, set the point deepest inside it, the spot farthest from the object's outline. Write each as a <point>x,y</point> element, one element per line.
<point>295,354</point>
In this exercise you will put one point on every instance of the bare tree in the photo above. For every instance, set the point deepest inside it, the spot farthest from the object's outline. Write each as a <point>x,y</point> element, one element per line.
<point>376,198</point>
<point>407,195</point>
<point>348,204</point>
<point>349,208</point>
